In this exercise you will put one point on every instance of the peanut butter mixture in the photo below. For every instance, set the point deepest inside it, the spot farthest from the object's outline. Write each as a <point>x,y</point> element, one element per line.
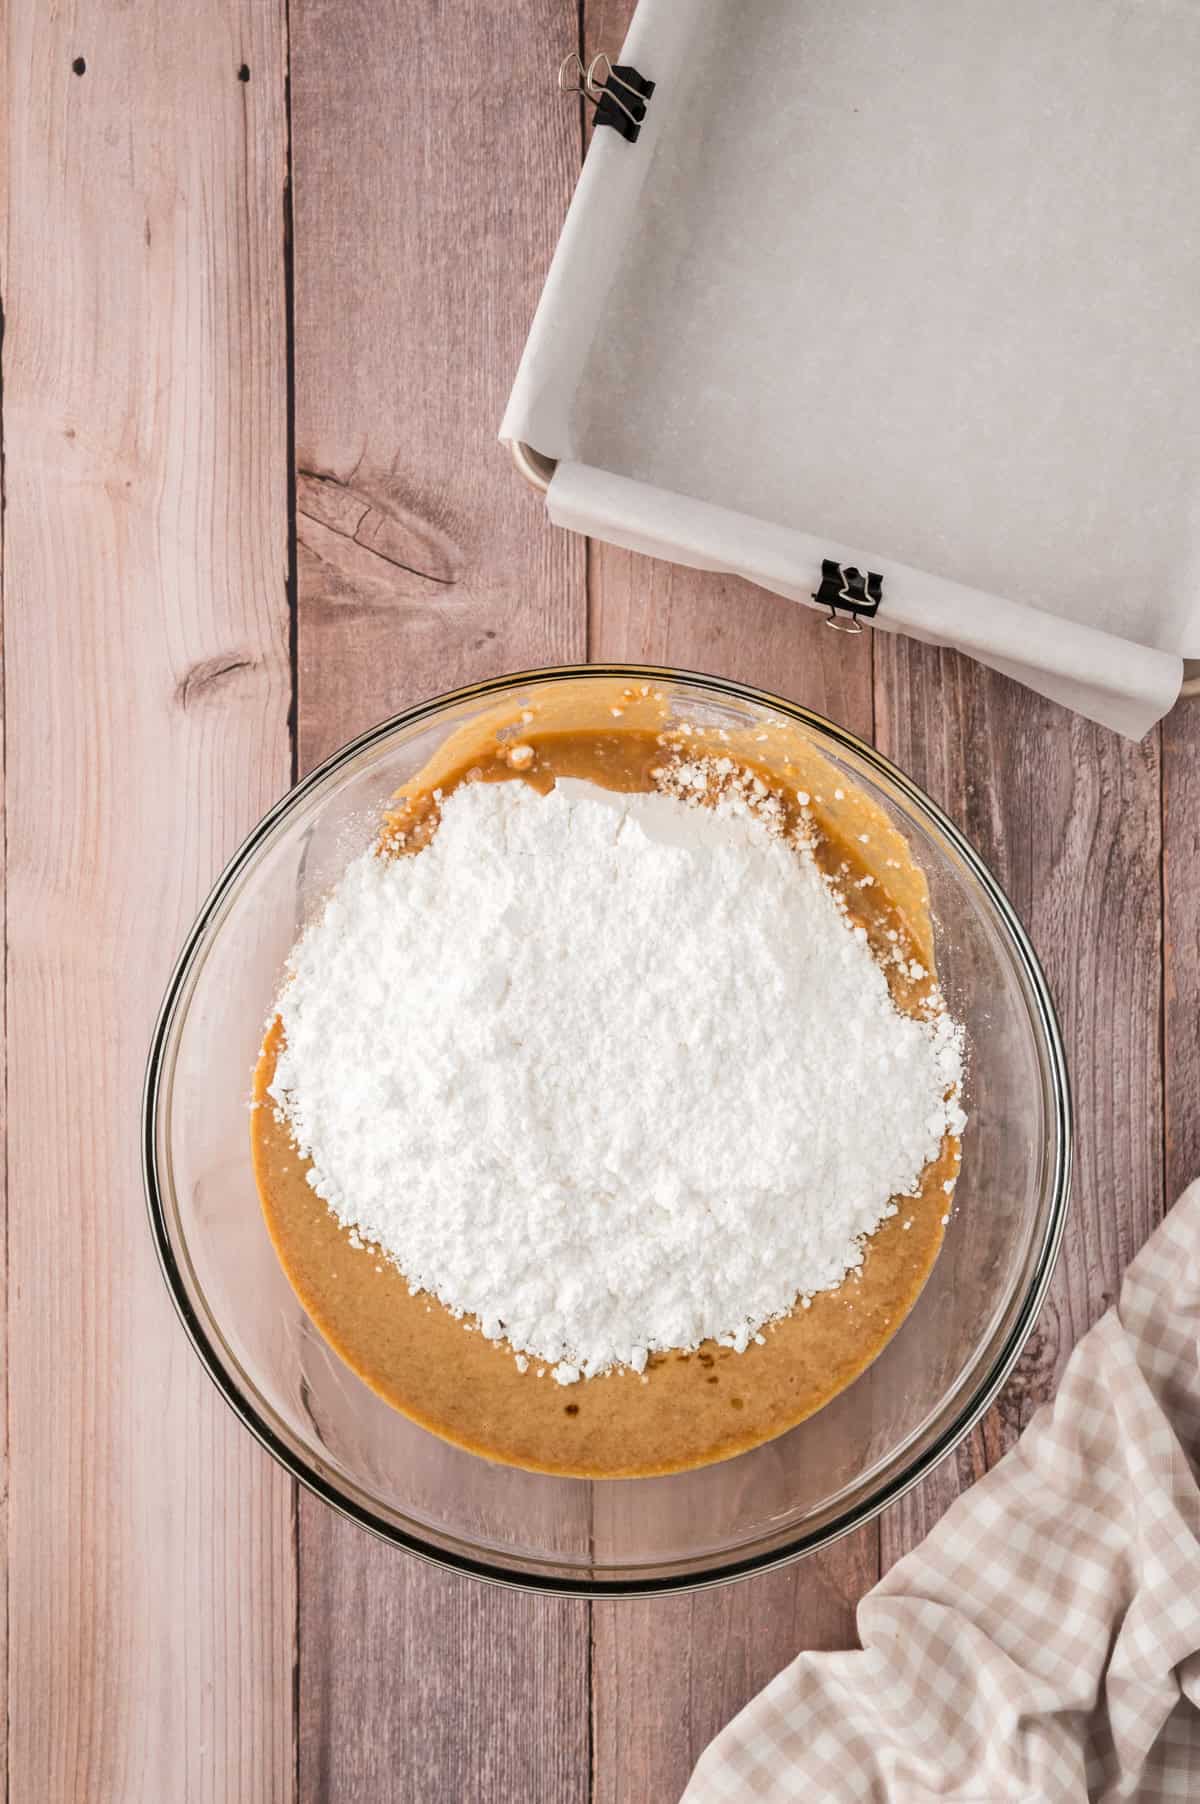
<point>688,1408</point>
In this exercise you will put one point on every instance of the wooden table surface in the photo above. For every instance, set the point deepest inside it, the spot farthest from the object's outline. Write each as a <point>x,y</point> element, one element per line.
<point>269,267</point>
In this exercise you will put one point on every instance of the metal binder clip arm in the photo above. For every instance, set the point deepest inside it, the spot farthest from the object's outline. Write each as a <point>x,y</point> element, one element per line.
<point>849,594</point>
<point>571,66</point>
<point>626,114</point>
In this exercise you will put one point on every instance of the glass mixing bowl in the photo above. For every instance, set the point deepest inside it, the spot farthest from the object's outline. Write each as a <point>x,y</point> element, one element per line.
<point>927,1388</point>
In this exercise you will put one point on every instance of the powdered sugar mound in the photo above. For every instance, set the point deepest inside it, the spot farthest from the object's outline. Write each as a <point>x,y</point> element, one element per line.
<point>611,1074</point>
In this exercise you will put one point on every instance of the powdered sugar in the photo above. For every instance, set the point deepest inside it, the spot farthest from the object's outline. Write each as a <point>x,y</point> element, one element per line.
<point>610,1073</point>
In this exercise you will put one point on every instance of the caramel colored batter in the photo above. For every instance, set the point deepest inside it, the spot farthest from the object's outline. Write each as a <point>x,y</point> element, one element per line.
<point>691,1408</point>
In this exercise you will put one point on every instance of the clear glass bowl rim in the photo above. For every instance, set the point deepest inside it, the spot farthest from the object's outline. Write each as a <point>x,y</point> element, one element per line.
<point>973,1408</point>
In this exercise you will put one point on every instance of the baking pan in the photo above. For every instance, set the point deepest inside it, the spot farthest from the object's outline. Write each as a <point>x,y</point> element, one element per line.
<point>891,309</point>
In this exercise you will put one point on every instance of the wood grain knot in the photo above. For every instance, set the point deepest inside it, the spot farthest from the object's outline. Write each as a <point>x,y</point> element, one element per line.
<point>208,675</point>
<point>378,518</point>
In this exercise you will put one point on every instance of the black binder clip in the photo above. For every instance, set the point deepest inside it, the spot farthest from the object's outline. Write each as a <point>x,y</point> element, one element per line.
<point>849,595</point>
<point>616,90</point>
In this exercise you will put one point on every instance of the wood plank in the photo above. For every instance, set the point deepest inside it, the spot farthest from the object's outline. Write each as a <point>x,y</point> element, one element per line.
<point>669,1673</point>
<point>1181,944</point>
<point>418,1684</point>
<point>1068,817</point>
<point>4,1265</point>
<point>431,178</point>
<point>723,1645</point>
<point>710,1653</point>
<point>150,1541</point>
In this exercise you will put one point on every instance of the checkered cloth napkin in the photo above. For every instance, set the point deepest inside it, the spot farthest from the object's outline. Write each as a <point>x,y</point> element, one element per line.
<point>1043,1644</point>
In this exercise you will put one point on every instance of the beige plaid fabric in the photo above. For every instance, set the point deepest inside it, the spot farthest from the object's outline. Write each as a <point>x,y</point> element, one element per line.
<point>1043,1643</point>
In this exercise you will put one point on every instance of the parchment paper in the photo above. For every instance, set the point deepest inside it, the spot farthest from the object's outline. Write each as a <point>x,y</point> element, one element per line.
<point>909,284</point>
